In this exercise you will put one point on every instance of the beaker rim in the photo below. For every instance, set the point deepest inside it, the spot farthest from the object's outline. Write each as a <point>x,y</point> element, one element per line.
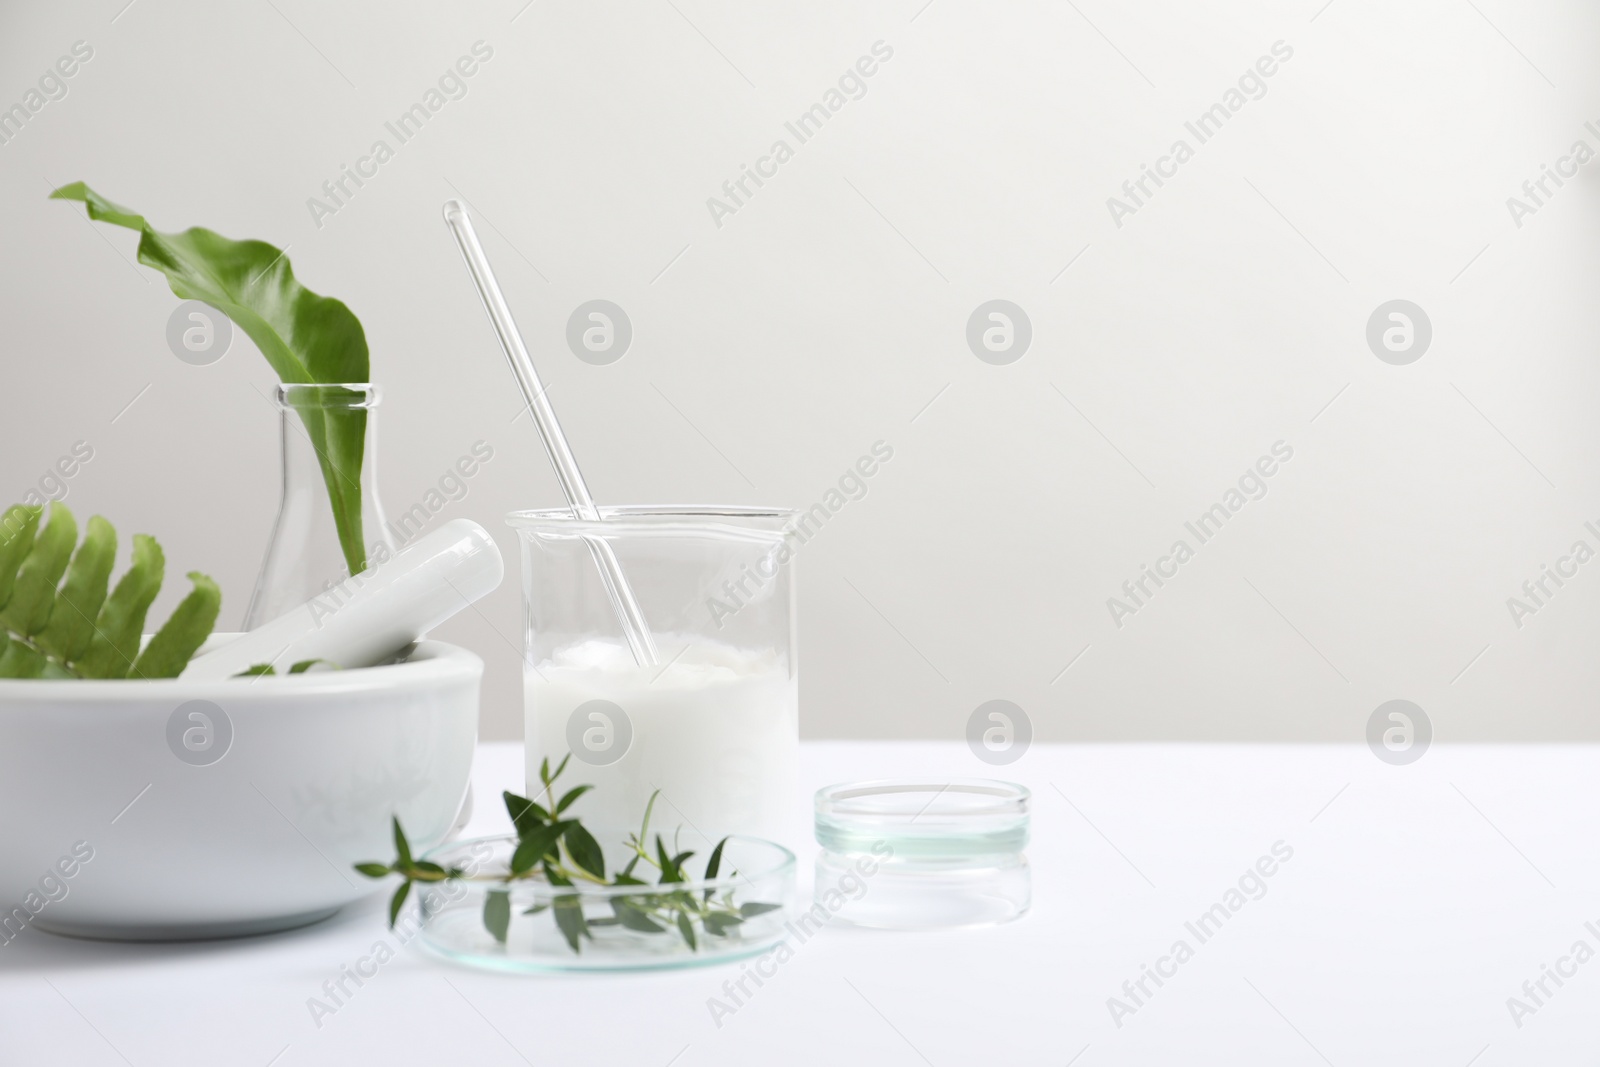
<point>657,518</point>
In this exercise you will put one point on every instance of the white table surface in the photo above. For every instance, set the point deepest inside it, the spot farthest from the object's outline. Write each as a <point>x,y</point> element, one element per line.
<point>1418,900</point>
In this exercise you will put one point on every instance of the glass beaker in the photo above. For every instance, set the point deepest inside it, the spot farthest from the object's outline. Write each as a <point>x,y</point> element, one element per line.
<point>713,727</point>
<point>309,553</point>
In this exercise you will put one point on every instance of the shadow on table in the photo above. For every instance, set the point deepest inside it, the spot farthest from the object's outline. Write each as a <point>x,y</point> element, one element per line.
<point>39,950</point>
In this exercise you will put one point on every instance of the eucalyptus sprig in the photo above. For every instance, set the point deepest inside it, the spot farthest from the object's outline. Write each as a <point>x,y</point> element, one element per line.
<point>412,870</point>
<point>554,847</point>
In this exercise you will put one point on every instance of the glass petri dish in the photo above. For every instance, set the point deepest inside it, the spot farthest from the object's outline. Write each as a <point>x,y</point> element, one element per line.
<point>923,854</point>
<point>584,927</point>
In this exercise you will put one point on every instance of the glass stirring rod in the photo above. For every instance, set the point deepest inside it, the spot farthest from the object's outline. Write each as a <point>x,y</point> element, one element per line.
<point>618,590</point>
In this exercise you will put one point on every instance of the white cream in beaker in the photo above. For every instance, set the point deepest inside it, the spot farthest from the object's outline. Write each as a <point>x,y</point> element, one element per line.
<point>715,731</point>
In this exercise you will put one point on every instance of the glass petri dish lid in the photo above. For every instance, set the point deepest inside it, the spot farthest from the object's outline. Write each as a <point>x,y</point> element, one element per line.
<point>935,819</point>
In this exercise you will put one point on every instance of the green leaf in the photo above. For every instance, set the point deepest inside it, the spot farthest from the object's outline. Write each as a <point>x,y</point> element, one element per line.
<point>35,592</point>
<point>401,846</point>
<point>336,424</point>
<point>115,644</point>
<point>526,816</point>
<point>306,664</point>
<point>720,922</point>
<point>373,870</point>
<point>754,908</point>
<point>536,909</point>
<point>551,779</point>
<point>570,920</point>
<point>78,631</point>
<point>669,869</point>
<point>71,625</point>
<point>572,795</point>
<point>585,850</point>
<point>644,826</point>
<point>497,913</point>
<point>256,670</point>
<point>185,631</point>
<point>714,864</point>
<point>535,846</point>
<point>397,901</point>
<point>307,338</point>
<point>633,917</point>
<point>17,529</point>
<point>20,660</point>
<point>568,909</point>
<point>687,930</point>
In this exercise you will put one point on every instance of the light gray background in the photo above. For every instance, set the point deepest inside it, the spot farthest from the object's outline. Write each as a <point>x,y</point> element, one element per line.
<point>831,311</point>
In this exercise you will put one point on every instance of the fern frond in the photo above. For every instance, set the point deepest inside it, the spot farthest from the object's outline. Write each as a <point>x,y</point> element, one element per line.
<point>55,628</point>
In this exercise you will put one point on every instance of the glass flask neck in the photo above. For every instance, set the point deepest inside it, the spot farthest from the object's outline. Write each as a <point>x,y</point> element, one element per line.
<point>305,557</point>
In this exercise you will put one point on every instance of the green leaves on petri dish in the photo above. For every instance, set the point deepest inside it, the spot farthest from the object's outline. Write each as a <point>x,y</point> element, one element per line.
<point>307,338</point>
<point>563,854</point>
<point>57,619</point>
